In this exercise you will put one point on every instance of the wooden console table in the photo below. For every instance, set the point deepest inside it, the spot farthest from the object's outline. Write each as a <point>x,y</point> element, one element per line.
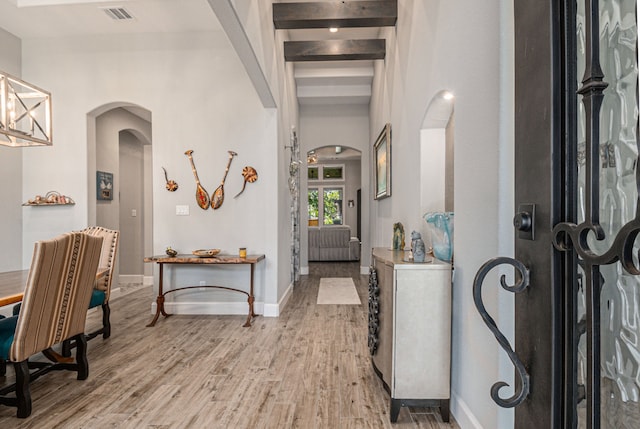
<point>161,260</point>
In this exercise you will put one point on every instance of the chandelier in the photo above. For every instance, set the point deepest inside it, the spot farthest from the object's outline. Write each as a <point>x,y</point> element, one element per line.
<point>25,113</point>
<point>312,157</point>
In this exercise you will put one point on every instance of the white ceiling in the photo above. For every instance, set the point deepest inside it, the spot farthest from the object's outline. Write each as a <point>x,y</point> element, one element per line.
<point>324,82</point>
<point>46,18</point>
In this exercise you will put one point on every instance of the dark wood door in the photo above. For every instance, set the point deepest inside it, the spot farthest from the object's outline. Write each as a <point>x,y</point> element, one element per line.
<point>577,354</point>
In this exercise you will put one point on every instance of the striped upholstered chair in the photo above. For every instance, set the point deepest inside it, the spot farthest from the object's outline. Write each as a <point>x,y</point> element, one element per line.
<point>102,288</point>
<point>54,309</point>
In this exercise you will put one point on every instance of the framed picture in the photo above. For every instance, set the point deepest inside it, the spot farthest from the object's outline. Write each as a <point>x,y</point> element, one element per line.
<point>104,185</point>
<point>382,167</point>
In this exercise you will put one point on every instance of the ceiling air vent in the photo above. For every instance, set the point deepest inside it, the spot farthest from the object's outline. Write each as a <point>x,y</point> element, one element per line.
<point>117,13</point>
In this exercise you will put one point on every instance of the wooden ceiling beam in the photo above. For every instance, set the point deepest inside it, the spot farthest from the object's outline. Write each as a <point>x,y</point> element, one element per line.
<point>335,50</point>
<point>377,13</point>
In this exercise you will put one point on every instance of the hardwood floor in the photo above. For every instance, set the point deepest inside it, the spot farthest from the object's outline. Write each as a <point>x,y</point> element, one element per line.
<point>309,368</point>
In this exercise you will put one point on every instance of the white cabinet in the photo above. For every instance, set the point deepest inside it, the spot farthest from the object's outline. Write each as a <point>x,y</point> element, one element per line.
<point>410,329</point>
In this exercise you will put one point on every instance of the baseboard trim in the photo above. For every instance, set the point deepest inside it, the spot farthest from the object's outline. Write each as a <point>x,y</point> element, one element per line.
<point>462,413</point>
<point>304,271</point>
<point>364,270</point>
<point>210,308</point>
<point>274,310</point>
<point>136,278</point>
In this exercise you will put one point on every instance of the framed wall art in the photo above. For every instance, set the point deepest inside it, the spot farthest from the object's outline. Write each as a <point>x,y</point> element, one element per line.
<point>104,185</point>
<point>382,167</point>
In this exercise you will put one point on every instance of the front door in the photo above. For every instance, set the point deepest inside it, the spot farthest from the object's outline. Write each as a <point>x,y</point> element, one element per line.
<point>577,351</point>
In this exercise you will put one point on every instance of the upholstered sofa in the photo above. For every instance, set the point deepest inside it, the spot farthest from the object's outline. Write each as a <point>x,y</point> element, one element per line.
<point>333,243</point>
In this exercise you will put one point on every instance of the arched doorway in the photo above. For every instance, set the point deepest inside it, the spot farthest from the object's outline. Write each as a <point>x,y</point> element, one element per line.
<point>119,140</point>
<point>332,175</point>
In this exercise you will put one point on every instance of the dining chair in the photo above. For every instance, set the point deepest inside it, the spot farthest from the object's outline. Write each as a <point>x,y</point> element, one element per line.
<point>102,288</point>
<point>54,309</point>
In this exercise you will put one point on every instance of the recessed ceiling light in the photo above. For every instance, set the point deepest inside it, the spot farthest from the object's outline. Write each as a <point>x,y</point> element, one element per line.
<point>447,95</point>
<point>333,29</point>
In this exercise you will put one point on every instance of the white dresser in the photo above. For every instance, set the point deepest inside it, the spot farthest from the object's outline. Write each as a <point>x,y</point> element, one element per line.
<point>410,330</point>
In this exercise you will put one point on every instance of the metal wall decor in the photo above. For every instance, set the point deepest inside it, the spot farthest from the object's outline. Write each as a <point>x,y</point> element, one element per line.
<point>250,175</point>
<point>218,195</point>
<point>521,394</point>
<point>294,190</point>
<point>202,196</point>
<point>170,185</point>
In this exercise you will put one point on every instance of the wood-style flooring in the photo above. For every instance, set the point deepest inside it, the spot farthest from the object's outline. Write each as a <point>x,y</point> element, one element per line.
<point>308,368</point>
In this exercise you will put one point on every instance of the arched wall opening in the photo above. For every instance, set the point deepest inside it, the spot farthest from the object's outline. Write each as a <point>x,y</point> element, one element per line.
<point>119,144</point>
<point>333,192</point>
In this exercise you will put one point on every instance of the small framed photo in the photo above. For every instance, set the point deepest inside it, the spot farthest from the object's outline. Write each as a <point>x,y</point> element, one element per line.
<point>382,167</point>
<point>104,185</point>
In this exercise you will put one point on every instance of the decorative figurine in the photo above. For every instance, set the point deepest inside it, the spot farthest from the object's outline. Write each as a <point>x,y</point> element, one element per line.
<point>171,185</point>
<point>250,175</point>
<point>398,236</point>
<point>417,247</point>
<point>171,252</point>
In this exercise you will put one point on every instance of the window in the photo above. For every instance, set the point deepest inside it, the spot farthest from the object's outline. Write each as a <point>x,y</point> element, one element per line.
<point>312,173</point>
<point>332,207</point>
<point>326,172</point>
<point>313,207</point>
<point>332,172</point>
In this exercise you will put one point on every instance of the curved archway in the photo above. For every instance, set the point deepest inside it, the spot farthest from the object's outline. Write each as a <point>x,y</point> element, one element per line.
<point>333,187</point>
<point>119,139</point>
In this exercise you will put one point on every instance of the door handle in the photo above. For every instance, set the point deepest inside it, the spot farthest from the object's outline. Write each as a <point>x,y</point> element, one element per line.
<point>525,221</point>
<point>518,396</point>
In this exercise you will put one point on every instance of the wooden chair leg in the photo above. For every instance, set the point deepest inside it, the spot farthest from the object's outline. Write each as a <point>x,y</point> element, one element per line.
<point>66,348</point>
<point>23,393</point>
<point>81,357</point>
<point>106,323</point>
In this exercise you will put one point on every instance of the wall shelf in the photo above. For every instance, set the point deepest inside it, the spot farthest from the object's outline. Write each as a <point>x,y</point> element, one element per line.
<point>48,204</point>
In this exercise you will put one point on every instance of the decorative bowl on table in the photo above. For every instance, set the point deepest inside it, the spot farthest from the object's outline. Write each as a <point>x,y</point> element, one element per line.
<point>206,253</point>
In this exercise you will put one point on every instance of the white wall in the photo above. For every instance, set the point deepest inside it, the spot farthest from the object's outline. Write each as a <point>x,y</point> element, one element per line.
<point>267,46</point>
<point>201,99</point>
<point>461,47</point>
<point>11,172</point>
<point>349,126</point>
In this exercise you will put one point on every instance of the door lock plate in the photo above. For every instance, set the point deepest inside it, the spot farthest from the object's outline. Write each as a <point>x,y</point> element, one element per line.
<point>524,221</point>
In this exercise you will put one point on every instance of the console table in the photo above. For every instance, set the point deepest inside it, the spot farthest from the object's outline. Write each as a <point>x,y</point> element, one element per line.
<point>410,330</point>
<point>161,260</point>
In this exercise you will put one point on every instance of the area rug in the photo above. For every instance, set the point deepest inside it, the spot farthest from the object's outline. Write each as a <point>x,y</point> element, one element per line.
<point>338,290</point>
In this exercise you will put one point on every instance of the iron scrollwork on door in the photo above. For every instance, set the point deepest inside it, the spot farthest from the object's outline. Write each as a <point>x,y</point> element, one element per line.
<point>521,285</point>
<point>374,309</point>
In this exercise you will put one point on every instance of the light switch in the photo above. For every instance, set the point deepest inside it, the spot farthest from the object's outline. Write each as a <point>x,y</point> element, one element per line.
<point>182,210</point>
<point>134,213</point>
